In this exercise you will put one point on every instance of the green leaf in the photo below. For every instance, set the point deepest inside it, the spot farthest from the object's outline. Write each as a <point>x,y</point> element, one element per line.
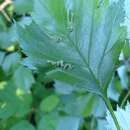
<point>49,104</point>
<point>11,62</point>
<point>2,55</point>
<point>115,89</point>
<point>69,123</point>
<point>23,6</point>
<point>55,122</point>
<point>6,101</point>
<point>126,50</point>
<point>25,21</point>
<point>8,37</point>
<point>23,78</point>
<point>23,125</point>
<point>63,88</point>
<point>122,72</point>
<point>127,20</point>
<point>54,15</point>
<point>7,124</point>
<point>123,117</point>
<point>2,23</point>
<point>73,39</point>
<point>13,101</point>
<point>78,105</point>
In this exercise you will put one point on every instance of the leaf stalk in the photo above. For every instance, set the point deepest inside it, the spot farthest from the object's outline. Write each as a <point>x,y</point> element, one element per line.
<point>109,106</point>
<point>125,99</point>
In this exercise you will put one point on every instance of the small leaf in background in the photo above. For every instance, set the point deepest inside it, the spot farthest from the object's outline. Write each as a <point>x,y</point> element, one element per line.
<point>48,122</point>
<point>126,50</point>
<point>115,89</point>
<point>11,62</point>
<point>56,122</point>
<point>23,6</point>
<point>78,105</point>
<point>23,125</point>
<point>69,123</point>
<point>63,88</point>
<point>23,78</point>
<point>13,103</point>
<point>2,55</point>
<point>8,37</point>
<point>49,103</point>
<point>123,74</point>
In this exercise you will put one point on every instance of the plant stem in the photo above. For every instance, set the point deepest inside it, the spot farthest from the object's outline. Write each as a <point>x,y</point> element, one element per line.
<point>6,15</point>
<point>109,106</point>
<point>125,98</point>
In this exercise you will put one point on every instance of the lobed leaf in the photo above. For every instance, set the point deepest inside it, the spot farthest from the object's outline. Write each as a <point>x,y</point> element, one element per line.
<point>88,41</point>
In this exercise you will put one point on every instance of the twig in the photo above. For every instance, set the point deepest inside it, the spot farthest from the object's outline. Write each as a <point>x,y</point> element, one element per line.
<point>125,98</point>
<point>2,9</point>
<point>6,15</point>
<point>5,4</point>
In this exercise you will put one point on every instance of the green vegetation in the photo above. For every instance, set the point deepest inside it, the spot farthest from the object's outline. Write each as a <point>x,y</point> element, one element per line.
<point>65,65</point>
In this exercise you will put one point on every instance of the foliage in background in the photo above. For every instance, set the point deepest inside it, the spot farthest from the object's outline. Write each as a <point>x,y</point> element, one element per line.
<point>47,70</point>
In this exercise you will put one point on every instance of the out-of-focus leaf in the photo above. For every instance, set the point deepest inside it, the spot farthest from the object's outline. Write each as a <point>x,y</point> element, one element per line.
<point>11,62</point>
<point>99,111</point>
<point>82,105</point>
<point>23,6</point>
<point>7,124</point>
<point>8,37</point>
<point>101,124</point>
<point>2,55</point>
<point>50,103</point>
<point>55,122</point>
<point>122,72</point>
<point>126,50</point>
<point>25,21</point>
<point>13,101</point>
<point>23,125</point>
<point>115,89</point>
<point>3,26</point>
<point>23,78</point>
<point>63,88</point>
